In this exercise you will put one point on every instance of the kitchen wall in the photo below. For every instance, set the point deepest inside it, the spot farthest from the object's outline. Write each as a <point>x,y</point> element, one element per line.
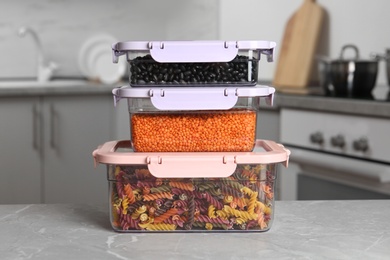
<point>64,25</point>
<point>361,22</point>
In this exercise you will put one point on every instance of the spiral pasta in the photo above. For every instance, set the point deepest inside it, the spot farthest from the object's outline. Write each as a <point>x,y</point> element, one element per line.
<point>252,203</point>
<point>205,186</point>
<point>159,189</point>
<point>241,201</point>
<point>138,212</point>
<point>129,193</point>
<point>175,221</point>
<point>182,185</point>
<point>125,205</point>
<point>210,199</point>
<point>207,219</point>
<point>154,196</point>
<point>167,214</point>
<point>232,183</point>
<point>239,213</point>
<point>191,213</point>
<point>211,212</point>
<point>158,227</point>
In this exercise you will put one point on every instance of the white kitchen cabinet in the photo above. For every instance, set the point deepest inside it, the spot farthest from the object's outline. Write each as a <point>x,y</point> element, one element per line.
<point>74,127</point>
<point>20,159</point>
<point>47,145</point>
<point>268,124</point>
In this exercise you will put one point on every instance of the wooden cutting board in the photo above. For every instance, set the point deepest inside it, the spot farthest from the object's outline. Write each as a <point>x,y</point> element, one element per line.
<point>299,44</point>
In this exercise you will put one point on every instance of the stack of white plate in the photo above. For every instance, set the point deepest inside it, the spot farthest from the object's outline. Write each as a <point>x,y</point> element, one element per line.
<point>95,60</point>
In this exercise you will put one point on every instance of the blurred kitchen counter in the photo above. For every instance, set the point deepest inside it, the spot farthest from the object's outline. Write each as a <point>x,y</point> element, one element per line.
<point>360,107</point>
<point>56,87</point>
<point>353,229</point>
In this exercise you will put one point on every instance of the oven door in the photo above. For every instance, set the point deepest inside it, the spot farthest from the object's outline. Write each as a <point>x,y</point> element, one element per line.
<point>316,175</point>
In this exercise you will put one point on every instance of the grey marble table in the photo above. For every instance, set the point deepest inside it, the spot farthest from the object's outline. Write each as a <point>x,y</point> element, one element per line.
<point>301,230</point>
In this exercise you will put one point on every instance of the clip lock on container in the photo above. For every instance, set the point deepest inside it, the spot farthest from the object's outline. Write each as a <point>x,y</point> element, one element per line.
<point>191,191</point>
<point>220,119</point>
<point>193,63</point>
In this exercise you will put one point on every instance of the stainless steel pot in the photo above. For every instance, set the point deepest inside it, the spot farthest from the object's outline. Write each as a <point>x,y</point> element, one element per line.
<point>350,77</point>
<point>386,58</point>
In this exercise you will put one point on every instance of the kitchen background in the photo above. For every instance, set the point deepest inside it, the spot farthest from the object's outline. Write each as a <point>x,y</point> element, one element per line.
<point>64,25</point>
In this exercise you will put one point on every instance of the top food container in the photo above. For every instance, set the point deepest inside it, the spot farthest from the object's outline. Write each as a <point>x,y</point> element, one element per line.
<point>193,63</point>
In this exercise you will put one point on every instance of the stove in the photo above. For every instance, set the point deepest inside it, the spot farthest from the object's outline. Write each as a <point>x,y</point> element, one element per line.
<point>336,155</point>
<point>380,93</point>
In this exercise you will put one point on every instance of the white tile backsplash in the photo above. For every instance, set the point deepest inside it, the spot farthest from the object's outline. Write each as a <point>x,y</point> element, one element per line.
<point>64,25</point>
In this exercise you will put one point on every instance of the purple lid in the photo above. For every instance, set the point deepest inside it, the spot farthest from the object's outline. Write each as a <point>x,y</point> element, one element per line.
<point>176,98</point>
<point>193,51</point>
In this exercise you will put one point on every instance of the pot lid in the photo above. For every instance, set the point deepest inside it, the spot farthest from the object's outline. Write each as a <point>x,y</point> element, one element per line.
<point>355,58</point>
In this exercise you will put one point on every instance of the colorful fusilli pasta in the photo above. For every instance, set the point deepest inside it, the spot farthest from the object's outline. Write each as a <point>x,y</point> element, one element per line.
<point>139,201</point>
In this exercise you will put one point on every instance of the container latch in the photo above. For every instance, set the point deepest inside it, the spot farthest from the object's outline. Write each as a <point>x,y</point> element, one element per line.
<point>190,51</point>
<point>193,99</point>
<point>189,167</point>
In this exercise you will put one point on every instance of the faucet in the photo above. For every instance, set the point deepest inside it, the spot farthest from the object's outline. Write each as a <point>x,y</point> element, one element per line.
<point>44,71</point>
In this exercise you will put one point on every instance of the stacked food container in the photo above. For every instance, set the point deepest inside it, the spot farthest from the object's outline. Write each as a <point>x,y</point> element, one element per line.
<point>192,162</point>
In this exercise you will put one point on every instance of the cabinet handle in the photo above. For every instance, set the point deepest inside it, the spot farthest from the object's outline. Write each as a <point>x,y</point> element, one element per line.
<point>36,126</point>
<point>53,118</point>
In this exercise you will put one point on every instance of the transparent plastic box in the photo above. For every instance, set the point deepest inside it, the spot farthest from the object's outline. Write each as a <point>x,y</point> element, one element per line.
<point>191,192</point>
<point>193,63</point>
<point>193,119</point>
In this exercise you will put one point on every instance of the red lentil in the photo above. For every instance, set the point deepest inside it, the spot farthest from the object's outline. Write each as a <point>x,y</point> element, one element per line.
<point>211,131</point>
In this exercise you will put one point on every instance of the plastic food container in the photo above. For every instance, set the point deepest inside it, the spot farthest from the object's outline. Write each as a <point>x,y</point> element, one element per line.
<point>193,119</point>
<point>191,191</point>
<point>193,63</point>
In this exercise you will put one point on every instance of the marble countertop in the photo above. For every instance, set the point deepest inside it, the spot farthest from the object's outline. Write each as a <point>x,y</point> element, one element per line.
<point>301,230</point>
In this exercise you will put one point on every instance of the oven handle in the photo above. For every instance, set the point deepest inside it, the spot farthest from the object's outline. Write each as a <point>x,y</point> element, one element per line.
<point>334,163</point>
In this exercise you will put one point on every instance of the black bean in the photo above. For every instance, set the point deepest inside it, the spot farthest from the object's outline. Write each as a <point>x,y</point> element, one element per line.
<point>145,69</point>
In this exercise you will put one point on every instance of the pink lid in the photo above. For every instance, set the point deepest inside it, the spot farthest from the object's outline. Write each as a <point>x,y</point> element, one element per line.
<point>183,98</point>
<point>194,164</point>
<point>193,51</point>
